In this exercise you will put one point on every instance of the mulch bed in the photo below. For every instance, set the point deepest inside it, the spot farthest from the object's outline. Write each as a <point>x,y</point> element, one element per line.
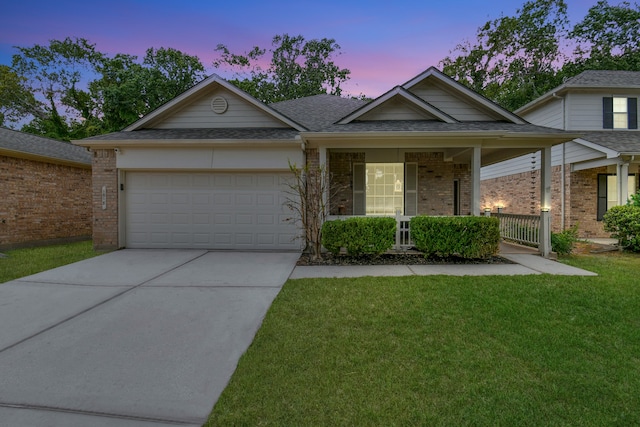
<point>394,259</point>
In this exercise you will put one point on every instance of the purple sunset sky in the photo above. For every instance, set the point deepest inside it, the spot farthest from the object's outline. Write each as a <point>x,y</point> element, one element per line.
<point>383,43</point>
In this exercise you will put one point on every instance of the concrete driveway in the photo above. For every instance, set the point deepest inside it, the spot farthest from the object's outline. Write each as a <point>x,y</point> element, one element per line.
<point>131,338</point>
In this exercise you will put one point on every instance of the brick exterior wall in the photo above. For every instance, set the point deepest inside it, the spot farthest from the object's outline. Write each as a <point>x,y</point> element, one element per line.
<point>463,174</point>
<point>520,194</point>
<point>435,182</point>
<point>105,221</point>
<point>43,202</point>
<point>341,175</point>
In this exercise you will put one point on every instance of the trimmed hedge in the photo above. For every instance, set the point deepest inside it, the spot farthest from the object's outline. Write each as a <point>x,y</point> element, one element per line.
<point>359,235</point>
<point>470,237</point>
<point>624,223</point>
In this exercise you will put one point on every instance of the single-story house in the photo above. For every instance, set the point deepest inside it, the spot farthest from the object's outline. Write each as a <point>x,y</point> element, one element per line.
<point>600,166</point>
<point>46,190</point>
<point>209,169</point>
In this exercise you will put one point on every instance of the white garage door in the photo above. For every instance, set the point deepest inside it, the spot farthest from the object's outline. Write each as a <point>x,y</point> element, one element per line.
<point>208,210</point>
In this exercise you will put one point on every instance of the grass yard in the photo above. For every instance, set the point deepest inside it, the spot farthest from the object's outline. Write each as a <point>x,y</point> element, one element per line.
<point>23,262</point>
<point>444,351</point>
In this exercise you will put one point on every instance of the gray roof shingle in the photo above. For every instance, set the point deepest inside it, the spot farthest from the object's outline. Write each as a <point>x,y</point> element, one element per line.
<point>627,142</point>
<point>219,133</point>
<point>318,111</point>
<point>605,78</point>
<point>437,126</point>
<point>44,147</point>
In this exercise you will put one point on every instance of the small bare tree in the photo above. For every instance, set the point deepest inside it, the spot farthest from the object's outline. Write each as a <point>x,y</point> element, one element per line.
<point>308,196</point>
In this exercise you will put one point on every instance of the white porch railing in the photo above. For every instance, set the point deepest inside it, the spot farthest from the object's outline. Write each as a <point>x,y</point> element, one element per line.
<point>523,229</point>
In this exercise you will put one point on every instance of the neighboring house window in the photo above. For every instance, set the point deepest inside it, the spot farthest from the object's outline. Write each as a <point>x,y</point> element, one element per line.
<point>608,192</point>
<point>384,188</point>
<point>619,113</point>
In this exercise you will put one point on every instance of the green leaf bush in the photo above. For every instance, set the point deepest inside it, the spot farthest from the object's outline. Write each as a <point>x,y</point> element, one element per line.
<point>464,237</point>
<point>624,224</point>
<point>562,243</point>
<point>359,235</point>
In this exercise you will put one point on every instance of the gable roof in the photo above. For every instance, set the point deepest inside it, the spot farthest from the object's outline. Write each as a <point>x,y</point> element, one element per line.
<point>462,90</point>
<point>589,79</point>
<point>206,84</point>
<point>402,112</point>
<point>401,93</point>
<point>24,145</point>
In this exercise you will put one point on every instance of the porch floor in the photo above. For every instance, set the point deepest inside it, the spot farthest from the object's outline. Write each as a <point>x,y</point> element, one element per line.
<point>513,248</point>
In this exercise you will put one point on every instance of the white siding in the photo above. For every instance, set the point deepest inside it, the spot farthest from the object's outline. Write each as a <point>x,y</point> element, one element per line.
<point>198,114</point>
<point>458,108</point>
<point>218,158</point>
<point>395,110</point>
<point>574,153</point>
<point>549,115</point>
<point>585,108</point>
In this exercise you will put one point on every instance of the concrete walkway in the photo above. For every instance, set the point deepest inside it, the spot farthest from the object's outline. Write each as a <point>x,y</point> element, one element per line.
<point>151,337</point>
<point>131,338</point>
<point>527,261</point>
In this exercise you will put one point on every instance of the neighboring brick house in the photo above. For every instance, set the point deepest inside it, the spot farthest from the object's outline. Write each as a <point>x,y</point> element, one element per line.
<point>209,169</point>
<point>45,190</point>
<point>600,168</point>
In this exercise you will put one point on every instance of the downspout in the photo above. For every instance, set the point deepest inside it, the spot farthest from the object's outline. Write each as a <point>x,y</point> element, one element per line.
<point>562,170</point>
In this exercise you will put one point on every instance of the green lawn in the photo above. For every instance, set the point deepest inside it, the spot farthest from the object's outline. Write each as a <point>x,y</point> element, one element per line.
<point>23,262</point>
<point>446,351</point>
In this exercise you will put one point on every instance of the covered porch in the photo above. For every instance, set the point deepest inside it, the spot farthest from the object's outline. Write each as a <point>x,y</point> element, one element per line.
<point>404,174</point>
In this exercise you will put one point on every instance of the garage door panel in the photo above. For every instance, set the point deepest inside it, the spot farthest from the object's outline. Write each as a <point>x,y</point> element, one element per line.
<point>208,210</point>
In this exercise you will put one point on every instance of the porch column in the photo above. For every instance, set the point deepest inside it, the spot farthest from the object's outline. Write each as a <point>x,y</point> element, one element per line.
<point>475,181</point>
<point>322,162</point>
<point>545,202</point>
<point>622,176</point>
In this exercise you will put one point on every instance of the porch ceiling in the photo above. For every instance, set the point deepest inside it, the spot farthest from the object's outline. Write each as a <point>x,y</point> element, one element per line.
<point>456,146</point>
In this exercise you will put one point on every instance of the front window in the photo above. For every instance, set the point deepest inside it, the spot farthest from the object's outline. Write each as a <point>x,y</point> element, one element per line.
<point>384,183</point>
<point>620,113</point>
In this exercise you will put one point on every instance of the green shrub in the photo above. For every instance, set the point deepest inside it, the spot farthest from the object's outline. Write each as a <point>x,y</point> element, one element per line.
<point>562,243</point>
<point>634,199</point>
<point>624,224</point>
<point>465,237</point>
<point>359,235</point>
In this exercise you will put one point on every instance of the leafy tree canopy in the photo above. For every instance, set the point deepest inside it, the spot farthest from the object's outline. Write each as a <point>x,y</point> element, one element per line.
<point>70,90</point>
<point>297,68</point>
<point>515,59</point>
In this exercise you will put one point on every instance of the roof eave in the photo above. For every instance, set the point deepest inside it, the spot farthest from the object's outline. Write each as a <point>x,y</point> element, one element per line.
<point>42,158</point>
<point>180,143</point>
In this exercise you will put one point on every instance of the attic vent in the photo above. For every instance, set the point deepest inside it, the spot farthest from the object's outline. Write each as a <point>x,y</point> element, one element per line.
<point>219,105</point>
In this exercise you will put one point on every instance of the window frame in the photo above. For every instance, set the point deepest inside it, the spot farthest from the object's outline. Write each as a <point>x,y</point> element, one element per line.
<point>609,113</point>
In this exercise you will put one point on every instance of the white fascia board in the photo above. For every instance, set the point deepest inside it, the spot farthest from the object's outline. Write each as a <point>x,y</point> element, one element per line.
<point>611,154</point>
<point>203,85</point>
<point>594,164</point>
